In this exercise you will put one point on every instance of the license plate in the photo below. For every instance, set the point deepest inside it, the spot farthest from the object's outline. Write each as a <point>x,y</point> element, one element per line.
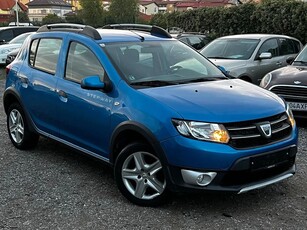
<point>298,106</point>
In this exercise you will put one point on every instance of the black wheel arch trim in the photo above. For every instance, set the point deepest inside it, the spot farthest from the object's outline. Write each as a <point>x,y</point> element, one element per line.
<point>143,131</point>
<point>11,91</point>
<point>150,138</point>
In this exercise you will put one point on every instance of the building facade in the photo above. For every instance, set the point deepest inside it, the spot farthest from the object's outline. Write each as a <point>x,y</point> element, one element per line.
<point>38,9</point>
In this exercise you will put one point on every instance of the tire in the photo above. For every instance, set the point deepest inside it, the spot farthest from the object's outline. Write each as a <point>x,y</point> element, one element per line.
<point>140,175</point>
<point>18,128</point>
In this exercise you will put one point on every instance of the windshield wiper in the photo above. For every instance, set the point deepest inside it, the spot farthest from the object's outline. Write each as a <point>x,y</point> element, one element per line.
<point>155,83</point>
<point>218,57</point>
<point>302,62</point>
<point>201,79</point>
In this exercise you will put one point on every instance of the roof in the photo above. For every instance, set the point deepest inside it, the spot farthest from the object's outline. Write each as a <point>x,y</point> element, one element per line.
<point>48,3</point>
<point>253,36</point>
<point>9,4</point>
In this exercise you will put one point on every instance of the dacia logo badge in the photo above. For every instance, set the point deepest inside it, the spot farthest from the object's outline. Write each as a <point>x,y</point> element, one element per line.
<point>265,129</point>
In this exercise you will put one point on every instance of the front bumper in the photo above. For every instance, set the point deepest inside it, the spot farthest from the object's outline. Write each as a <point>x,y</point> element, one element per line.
<point>247,173</point>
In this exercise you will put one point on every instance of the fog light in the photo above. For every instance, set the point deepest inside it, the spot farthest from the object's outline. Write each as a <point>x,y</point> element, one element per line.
<point>197,178</point>
<point>200,179</point>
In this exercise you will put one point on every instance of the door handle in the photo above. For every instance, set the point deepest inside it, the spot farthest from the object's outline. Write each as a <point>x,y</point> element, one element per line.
<point>279,63</point>
<point>62,95</point>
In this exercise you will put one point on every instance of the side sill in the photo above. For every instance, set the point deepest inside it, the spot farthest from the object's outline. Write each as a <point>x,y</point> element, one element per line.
<point>73,146</point>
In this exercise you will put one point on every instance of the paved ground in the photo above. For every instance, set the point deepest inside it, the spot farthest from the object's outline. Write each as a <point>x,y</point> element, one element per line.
<point>53,187</point>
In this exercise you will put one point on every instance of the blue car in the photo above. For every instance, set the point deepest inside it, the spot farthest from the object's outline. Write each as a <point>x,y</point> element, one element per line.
<point>162,115</point>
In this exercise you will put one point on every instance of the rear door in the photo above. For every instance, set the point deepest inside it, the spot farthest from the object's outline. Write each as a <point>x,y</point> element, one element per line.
<point>38,83</point>
<point>263,66</point>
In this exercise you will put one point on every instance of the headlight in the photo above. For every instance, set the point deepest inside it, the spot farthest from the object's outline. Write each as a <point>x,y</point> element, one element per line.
<point>290,116</point>
<point>202,130</point>
<point>266,80</point>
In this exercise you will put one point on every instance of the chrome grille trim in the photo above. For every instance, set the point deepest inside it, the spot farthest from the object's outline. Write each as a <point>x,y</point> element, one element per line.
<point>247,134</point>
<point>245,137</point>
<point>281,129</point>
<point>290,91</point>
<point>243,128</point>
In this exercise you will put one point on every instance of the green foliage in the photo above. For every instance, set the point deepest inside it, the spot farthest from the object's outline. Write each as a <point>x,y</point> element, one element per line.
<point>74,19</point>
<point>124,11</point>
<point>271,16</point>
<point>22,17</point>
<point>52,18</point>
<point>92,12</point>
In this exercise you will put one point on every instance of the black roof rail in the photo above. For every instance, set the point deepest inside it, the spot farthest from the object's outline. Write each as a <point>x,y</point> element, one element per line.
<point>77,28</point>
<point>154,30</point>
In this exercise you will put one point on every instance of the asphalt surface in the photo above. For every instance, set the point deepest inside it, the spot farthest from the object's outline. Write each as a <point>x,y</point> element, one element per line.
<point>53,187</point>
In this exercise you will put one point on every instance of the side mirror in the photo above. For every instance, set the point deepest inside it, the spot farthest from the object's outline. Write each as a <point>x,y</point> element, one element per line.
<point>265,55</point>
<point>289,60</point>
<point>93,83</point>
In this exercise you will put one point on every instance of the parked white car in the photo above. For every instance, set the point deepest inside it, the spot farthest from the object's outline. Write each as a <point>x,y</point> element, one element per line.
<point>15,43</point>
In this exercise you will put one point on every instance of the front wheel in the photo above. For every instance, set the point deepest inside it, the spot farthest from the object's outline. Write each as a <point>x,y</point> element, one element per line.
<point>140,176</point>
<point>18,128</point>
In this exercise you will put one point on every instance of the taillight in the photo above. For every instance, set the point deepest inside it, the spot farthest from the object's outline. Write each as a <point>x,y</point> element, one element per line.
<point>7,69</point>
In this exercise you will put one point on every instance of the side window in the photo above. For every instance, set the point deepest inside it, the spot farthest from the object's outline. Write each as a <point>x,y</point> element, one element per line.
<point>81,63</point>
<point>7,35</point>
<point>33,51</point>
<point>286,46</point>
<point>45,53</point>
<point>270,46</point>
<point>297,46</point>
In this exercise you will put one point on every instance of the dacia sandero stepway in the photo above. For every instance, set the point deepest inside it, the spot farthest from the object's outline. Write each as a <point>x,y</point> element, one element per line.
<point>162,115</point>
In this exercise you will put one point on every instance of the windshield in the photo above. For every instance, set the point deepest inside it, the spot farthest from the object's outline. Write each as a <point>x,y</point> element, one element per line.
<point>152,63</point>
<point>240,49</point>
<point>301,59</point>
<point>19,39</point>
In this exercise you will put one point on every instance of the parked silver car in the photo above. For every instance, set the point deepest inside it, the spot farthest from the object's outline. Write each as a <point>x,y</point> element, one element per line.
<point>251,56</point>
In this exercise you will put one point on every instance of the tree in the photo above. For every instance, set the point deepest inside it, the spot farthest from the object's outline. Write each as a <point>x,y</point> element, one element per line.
<point>92,12</point>
<point>22,17</point>
<point>52,18</point>
<point>124,11</point>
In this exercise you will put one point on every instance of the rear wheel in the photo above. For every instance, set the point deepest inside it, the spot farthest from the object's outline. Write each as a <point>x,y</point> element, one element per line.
<point>140,175</point>
<point>18,128</point>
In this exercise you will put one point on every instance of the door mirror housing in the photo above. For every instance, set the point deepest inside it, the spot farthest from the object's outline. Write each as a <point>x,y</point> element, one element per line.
<point>265,55</point>
<point>92,83</point>
<point>290,60</point>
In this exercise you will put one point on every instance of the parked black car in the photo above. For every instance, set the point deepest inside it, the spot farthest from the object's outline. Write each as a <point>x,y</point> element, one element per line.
<point>290,82</point>
<point>11,56</point>
<point>196,40</point>
<point>8,33</point>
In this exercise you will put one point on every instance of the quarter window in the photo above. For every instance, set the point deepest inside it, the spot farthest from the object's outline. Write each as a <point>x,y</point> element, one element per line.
<point>81,63</point>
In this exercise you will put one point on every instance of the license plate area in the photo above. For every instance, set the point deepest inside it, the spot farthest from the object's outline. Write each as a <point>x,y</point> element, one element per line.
<point>298,106</point>
<point>269,161</point>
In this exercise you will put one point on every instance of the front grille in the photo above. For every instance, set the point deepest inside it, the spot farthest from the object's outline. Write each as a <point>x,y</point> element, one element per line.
<point>244,135</point>
<point>296,93</point>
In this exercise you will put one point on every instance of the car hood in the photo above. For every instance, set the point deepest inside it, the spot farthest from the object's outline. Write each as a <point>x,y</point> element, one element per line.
<point>290,75</point>
<point>229,65</point>
<point>9,46</point>
<point>218,101</point>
